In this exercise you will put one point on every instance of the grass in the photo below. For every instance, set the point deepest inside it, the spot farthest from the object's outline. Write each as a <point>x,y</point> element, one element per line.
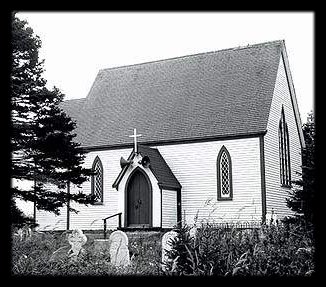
<point>46,254</point>
<point>285,250</point>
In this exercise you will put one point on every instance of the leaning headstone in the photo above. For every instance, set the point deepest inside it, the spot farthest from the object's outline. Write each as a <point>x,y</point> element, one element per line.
<point>76,239</point>
<point>119,252</point>
<point>167,246</point>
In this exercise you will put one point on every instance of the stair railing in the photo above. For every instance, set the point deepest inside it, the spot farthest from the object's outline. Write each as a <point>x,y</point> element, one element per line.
<point>104,222</point>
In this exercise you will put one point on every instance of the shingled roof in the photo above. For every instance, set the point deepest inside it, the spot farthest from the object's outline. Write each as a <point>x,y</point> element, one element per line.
<point>208,95</point>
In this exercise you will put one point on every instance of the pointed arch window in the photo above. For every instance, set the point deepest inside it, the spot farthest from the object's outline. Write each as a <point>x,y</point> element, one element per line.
<point>97,180</point>
<point>284,152</point>
<point>224,175</point>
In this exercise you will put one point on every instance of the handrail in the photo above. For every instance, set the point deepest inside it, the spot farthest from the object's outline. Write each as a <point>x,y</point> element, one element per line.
<point>104,221</point>
<point>112,215</point>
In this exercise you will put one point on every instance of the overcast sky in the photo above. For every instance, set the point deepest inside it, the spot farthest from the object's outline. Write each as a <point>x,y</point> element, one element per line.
<point>76,46</point>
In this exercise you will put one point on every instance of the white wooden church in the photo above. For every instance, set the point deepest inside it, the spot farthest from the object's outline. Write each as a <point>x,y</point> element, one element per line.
<point>213,136</point>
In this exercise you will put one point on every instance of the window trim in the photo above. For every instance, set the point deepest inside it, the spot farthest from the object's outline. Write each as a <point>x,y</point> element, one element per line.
<point>284,152</point>
<point>218,163</point>
<point>288,154</point>
<point>96,161</point>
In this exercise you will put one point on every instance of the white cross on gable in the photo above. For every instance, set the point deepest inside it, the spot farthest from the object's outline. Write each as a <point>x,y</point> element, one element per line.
<point>135,139</point>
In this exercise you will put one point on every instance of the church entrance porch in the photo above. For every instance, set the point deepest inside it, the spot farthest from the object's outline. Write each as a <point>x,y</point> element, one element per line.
<point>149,195</point>
<point>138,199</point>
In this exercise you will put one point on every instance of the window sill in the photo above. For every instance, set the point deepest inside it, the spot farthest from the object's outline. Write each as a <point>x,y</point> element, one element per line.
<point>224,198</point>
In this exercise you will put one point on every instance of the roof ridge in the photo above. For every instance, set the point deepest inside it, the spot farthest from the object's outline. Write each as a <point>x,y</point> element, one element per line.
<point>196,54</point>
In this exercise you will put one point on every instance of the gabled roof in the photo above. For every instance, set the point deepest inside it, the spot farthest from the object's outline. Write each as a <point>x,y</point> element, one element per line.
<point>164,175</point>
<point>158,166</point>
<point>208,95</point>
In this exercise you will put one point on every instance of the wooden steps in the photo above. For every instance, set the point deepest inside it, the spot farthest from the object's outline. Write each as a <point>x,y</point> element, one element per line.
<point>132,233</point>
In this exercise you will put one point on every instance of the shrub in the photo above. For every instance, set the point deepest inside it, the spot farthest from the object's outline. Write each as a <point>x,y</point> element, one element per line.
<point>183,255</point>
<point>286,249</point>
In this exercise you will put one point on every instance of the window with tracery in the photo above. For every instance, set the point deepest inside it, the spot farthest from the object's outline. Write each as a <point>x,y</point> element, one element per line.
<point>97,180</point>
<point>224,175</point>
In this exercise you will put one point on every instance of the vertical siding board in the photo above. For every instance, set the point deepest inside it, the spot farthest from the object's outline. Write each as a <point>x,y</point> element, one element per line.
<point>263,177</point>
<point>275,194</point>
<point>169,208</point>
<point>156,198</point>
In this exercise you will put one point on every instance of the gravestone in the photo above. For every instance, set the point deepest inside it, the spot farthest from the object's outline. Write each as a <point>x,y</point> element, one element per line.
<point>167,246</point>
<point>24,233</point>
<point>271,218</point>
<point>76,239</point>
<point>119,252</point>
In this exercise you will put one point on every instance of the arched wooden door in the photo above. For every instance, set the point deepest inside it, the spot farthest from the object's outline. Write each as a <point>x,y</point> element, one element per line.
<point>138,200</point>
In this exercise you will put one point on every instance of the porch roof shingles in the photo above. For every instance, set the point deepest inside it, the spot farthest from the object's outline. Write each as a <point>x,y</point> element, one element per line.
<point>158,166</point>
<point>165,177</point>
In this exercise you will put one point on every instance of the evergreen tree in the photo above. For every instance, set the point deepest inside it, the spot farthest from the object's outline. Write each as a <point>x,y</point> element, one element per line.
<point>43,150</point>
<point>302,196</point>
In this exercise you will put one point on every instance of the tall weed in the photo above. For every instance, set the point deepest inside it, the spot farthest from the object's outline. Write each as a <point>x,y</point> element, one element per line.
<point>286,249</point>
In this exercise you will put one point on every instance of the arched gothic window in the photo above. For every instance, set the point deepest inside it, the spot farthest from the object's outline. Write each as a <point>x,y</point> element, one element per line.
<point>284,152</point>
<point>224,175</point>
<point>97,180</point>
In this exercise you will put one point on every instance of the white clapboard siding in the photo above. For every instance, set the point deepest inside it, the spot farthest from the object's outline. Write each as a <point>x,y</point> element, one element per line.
<point>169,208</point>
<point>49,221</point>
<point>90,217</point>
<point>275,194</point>
<point>194,165</point>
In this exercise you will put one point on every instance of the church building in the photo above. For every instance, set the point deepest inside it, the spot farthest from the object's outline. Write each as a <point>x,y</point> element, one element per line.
<point>212,137</point>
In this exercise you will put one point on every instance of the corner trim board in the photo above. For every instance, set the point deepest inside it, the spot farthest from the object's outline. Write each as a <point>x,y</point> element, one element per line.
<point>161,208</point>
<point>262,176</point>
<point>179,210</point>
